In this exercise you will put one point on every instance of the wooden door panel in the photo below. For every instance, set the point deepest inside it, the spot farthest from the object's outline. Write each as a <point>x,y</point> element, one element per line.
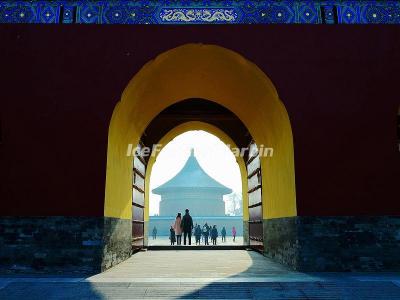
<point>255,199</point>
<point>255,180</point>
<point>137,230</point>
<point>139,165</point>
<point>255,213</point>
<point>138,181</point>
<point>137,213</point>
<point>138,197</point>
<point>253,164</point>
<point>138,200</point>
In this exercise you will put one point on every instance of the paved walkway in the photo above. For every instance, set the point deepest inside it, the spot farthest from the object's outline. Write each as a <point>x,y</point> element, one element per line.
<point>190,274</point>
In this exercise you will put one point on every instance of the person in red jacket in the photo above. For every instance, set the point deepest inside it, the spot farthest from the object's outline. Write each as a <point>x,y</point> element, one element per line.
<point>178,229</point>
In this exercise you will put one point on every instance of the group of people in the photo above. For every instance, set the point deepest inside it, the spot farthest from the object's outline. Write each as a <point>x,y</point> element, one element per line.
<point>208,231</point>
<point>184,225</point>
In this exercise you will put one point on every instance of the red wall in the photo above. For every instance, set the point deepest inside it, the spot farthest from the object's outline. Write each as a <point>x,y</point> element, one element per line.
<point>59,85</point>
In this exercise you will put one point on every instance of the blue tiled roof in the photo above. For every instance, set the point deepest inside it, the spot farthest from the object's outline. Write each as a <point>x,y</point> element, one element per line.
<point>192,176</point>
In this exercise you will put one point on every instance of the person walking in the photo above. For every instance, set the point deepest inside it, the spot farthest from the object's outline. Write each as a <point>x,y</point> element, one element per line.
<point>206,232</point>
<point>223,234</point>
<point>187,227</point>
<point>234,233</point>
<point>214,235</point>
<point>172,235</point>
<point>178,229</point>
<point>154,233</point>
<point>197,234</point>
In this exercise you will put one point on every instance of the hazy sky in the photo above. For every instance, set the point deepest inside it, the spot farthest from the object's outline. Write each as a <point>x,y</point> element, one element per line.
<point>212,154</point>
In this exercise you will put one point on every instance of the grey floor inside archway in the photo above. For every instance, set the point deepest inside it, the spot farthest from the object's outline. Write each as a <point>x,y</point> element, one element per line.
<point>191,274</point>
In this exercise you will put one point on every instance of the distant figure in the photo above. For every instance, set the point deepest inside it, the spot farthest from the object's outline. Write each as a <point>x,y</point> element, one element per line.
<point>178,229</point>
<point>234,233</point>
<point>197,234</point>
<point>154,233</point>
<point>206,232</point>
<point>214,235</point>
<point>187,227</point>
<point>172,235</point>
<point>223,234</point>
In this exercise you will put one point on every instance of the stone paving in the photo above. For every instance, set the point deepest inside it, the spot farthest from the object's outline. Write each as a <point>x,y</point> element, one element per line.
<point>190,274</point>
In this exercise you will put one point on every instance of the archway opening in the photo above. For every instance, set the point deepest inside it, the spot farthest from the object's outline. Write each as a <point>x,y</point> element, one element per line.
<point>181,117</point>
<point>214,119</point>
<point>197,171</point>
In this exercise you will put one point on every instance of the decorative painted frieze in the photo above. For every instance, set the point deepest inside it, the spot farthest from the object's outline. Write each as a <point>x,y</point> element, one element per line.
<point>201,12</point>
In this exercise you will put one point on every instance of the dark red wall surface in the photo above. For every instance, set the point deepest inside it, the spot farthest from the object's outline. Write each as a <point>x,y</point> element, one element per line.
<point>59,85</point>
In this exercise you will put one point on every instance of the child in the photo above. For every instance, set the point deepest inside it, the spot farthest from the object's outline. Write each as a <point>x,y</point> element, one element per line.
<point>197,234</point>
<point>234,233</point>
<point>172,235</point>
<point>206,232</point>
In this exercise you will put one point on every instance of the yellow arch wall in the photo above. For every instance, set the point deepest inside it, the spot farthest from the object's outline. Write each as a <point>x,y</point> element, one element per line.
<point>216,74</point>
<point>196,125</point>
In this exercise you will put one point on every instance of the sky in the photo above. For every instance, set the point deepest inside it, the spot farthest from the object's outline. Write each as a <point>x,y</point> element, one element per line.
<point>213,155</point>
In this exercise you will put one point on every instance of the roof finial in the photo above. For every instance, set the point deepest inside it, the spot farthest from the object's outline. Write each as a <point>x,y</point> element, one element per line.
<point>191,151</point>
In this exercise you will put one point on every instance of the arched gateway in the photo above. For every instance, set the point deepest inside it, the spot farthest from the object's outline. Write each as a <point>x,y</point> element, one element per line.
<point>227,79</point>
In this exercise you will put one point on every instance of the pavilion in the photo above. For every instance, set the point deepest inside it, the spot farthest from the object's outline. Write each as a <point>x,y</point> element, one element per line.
<point>194,189</point>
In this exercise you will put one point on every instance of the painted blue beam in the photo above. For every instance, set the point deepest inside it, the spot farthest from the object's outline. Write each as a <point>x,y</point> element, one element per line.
<point>201,12</point>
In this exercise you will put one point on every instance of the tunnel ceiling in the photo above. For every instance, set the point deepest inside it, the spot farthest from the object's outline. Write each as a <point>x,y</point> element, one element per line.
<point>196,110</point>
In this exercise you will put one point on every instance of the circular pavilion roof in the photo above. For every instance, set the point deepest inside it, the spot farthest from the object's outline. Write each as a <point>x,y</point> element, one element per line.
<point>192,176</point>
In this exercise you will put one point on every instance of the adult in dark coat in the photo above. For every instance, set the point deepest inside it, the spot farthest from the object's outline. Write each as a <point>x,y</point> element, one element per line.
<point>154,233</point>
<point>223,234</point>
<point>214,235</point>
<point>187,227</point>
